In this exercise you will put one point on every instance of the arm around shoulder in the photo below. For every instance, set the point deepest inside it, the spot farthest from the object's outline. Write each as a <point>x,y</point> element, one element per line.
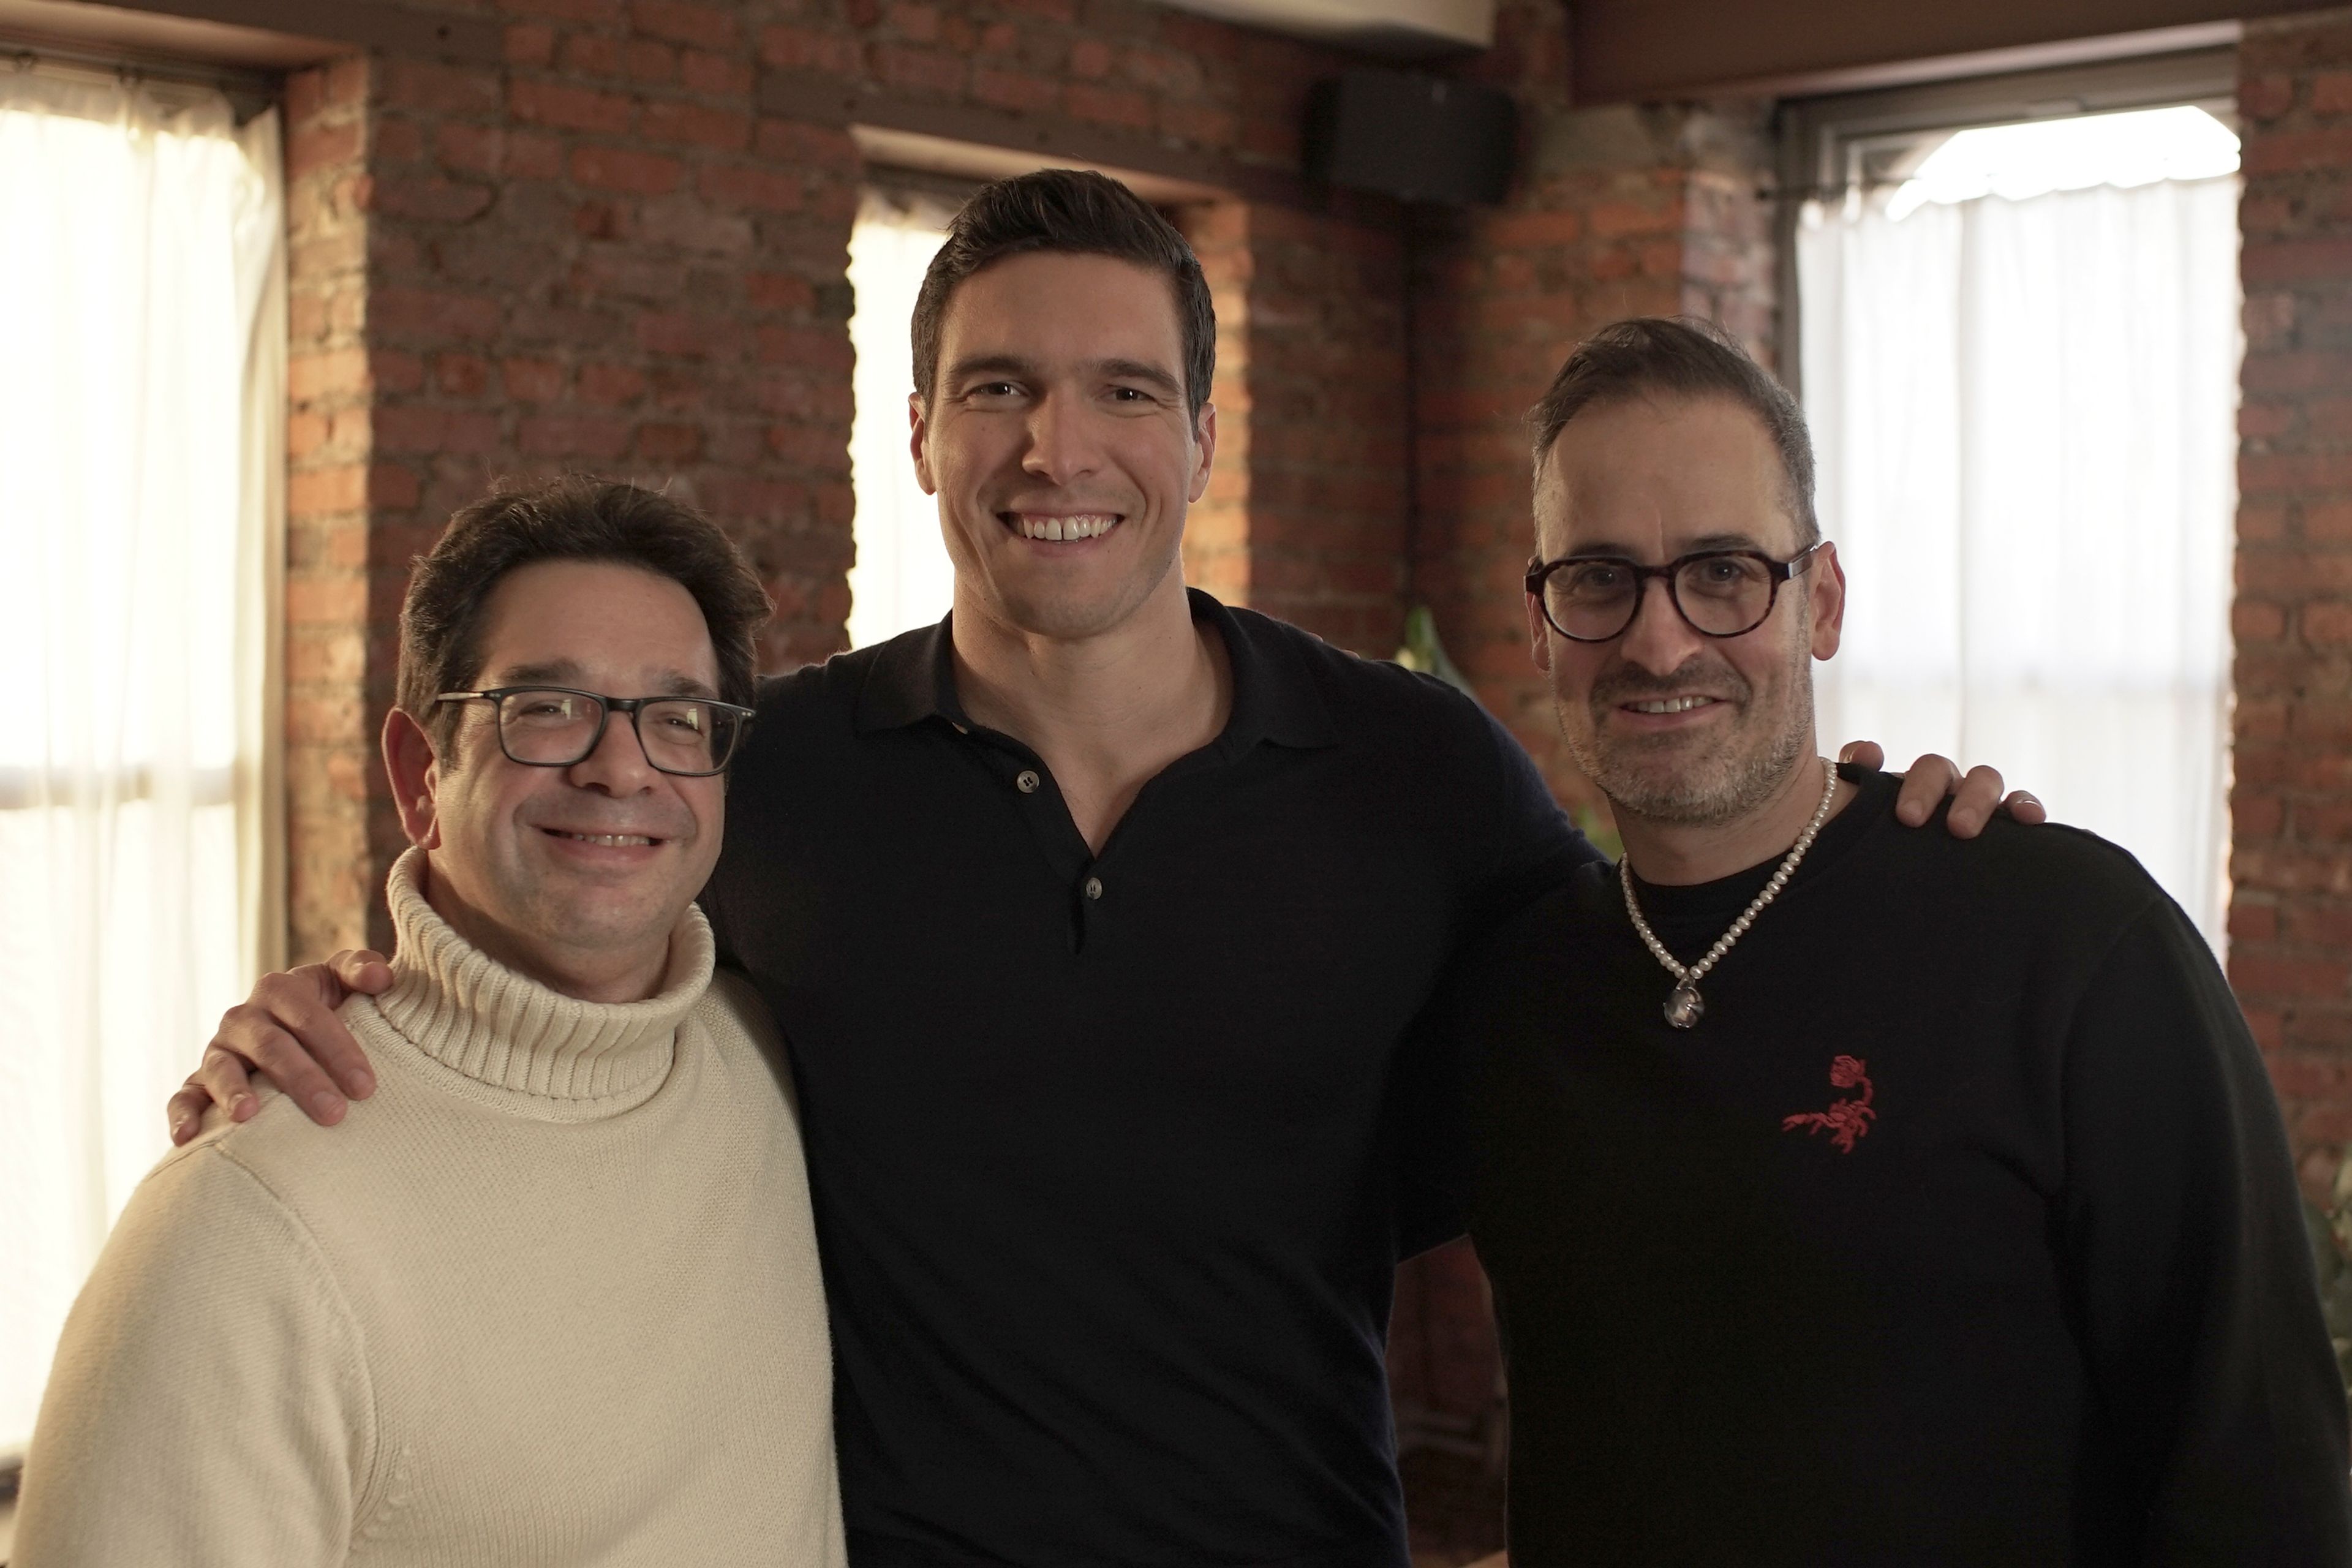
<point>2200,1312</point>
<point>209,1402</point>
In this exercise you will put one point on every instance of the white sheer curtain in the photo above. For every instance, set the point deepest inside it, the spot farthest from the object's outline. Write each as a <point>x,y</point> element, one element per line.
<point>2025,413</point>
<point>902,578</point>
<point>141,417</point>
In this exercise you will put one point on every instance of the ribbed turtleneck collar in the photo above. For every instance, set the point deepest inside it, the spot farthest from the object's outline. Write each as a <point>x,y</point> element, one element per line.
<point>505,1030</point>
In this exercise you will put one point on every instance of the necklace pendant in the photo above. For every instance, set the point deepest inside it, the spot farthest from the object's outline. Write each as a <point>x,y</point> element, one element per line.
<point>1684,1008</point>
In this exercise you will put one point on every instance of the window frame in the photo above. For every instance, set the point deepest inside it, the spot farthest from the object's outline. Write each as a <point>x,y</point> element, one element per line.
<point>1826,145</point>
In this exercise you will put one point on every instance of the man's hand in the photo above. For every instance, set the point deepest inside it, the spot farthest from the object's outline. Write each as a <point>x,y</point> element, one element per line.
<point>288,1030</point>
<point>1974,798</point>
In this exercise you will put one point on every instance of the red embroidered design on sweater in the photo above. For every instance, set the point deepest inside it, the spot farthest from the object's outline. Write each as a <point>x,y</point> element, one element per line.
<point>1846,1120</point>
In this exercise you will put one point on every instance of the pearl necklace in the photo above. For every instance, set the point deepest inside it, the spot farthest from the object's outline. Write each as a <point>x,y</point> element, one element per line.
<point>1684,1008</point>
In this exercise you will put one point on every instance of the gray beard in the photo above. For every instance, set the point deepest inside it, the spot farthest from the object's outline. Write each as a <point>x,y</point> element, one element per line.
<point>1718,789</point>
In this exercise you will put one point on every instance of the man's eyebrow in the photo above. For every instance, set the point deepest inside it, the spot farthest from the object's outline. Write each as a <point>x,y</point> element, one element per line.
<point>1015,367</point>
<point>550,672</point>
<point>567,673</point>
<point>677,683</point>
<point>965,369</point>
<point>1703,544</point>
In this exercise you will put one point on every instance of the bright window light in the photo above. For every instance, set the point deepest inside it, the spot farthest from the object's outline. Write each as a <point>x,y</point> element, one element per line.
<point>2020,162</point>
<point>902,579</point>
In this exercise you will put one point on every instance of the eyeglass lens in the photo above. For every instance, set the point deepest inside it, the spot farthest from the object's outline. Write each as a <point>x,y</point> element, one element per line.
<point>1722,596</point>
<point>557,728</point>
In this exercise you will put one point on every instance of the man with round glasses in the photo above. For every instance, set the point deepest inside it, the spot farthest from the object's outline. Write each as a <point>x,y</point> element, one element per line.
<point>550,1294</point>
<point>1850,1195</point>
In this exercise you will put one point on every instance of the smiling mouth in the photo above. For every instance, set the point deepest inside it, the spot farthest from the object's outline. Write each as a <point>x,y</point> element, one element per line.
<point>1669,704</point>
<point>1061,529</point>
<point>607,840</point>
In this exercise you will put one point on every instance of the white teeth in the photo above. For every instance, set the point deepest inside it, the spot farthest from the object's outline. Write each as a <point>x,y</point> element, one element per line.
<point>1670,704</point>
<point>610,840</point>
<point>1091,525</point>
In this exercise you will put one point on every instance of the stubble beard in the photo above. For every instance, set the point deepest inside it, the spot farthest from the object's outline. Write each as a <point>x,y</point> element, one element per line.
<point>1666,778</point>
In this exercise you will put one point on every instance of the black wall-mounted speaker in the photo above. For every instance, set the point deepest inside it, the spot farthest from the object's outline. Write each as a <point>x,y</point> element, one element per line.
<point>1416,138</point>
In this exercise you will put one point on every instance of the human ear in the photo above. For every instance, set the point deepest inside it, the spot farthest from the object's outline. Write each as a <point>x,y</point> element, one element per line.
<point>917,437</point>
<point>1204,439</point>
<point>1539,635</point>
<point>415,772</point>
<point>1827,592</point>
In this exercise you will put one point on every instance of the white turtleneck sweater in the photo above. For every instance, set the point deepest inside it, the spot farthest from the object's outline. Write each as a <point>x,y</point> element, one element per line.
<point>550,1296</point>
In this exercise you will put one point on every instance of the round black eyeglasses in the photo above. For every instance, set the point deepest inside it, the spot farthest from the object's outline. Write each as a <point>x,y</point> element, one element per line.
<point>556,727</point>
<point>1719,593</point>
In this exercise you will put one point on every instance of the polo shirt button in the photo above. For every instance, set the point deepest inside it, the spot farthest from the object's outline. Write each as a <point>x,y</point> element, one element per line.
<point>1026,781</point>
<point>1094,887</point>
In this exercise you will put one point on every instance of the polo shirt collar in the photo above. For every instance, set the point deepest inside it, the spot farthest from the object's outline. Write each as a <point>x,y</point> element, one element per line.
<point>1274,695</point>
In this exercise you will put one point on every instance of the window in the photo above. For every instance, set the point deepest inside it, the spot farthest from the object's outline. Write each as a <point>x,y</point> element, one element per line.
<point>142,412</point>
<point>902,578</point>
<point>2019,346</point>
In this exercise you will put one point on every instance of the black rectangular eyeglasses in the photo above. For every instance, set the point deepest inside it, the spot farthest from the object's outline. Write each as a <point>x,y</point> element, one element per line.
<point>1719,593</point>
<point>557,727</point>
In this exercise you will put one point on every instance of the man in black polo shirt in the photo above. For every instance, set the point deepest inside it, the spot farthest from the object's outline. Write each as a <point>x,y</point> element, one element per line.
<point>1852,1196</point>
<point>1093,917</point>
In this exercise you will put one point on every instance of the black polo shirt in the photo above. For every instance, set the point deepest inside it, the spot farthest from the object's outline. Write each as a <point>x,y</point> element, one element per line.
<point>1109,1181</point>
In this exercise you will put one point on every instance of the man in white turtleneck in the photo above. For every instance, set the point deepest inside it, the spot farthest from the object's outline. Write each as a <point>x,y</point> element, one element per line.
<point>550,1296</point>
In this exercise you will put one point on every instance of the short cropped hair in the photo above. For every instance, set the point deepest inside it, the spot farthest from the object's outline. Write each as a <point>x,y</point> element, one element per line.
<point>1681,356</point>
<point>575,518</point>
<point>1074,211</point>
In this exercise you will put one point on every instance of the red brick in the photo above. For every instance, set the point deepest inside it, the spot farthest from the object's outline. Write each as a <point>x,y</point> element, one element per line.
<point>610,385</point>
<point>422,312</point>
<point>747,185</point>
<point>2253,621</point>
<point>2288,976</point>
<point>625,169</point>
<point>645,60</point>
<point>314,146</point>
<point>2295,261</point>
<point>591,54</point>
<point>669,443</point>
<point>593,436</point>
<point>1014,89</point>
<point>778,291</point>
<point>461,374</point>
<point>2327,624</point>
<point>595,13</point>
<point>1109,106</point>
<point>531,380</point>
<point>2265,97</point>
<point>530,45</point>
<point>803,48</point>
<point>684,22</point>
<point>570,108</point>
<point>692,124</point>
<point>430,199</point>
<point>439,88</point>
<point>919,70</point>
<point>718,76</point>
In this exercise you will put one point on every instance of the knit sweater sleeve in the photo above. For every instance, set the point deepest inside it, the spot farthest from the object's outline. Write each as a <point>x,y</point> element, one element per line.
<point>209,1403</point>
<point>2193,1278</point>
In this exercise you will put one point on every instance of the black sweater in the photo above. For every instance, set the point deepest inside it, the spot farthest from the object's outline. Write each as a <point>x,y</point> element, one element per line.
<point>1961,1229</point>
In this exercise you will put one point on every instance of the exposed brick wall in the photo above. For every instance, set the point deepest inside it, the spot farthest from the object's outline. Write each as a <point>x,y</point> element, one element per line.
<point>1307,508</point>
<point>2291,914</point>
<point>334,635</point>
<point>617,250</point>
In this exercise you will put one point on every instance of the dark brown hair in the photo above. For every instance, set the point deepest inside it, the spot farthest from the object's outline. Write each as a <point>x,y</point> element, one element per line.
<point>575,518</point>
<point>1681,356</point>
<point>1076,212</point>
